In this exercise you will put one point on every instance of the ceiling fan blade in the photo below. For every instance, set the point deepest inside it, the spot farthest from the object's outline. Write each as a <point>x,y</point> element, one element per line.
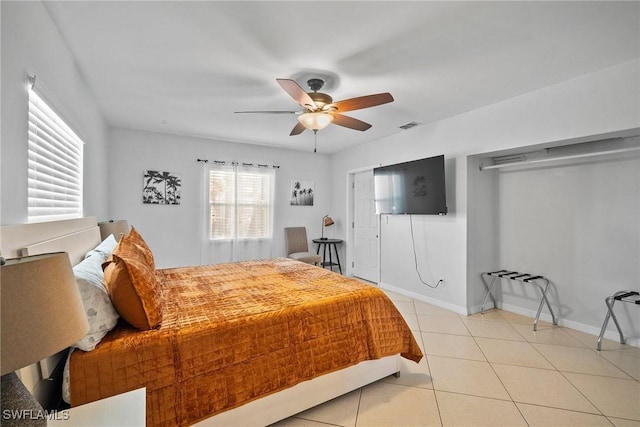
<point>350,122</point>
<point>297,93</point>
<point>297,129</point>
<point>266,112</point>
<point>363,102</point>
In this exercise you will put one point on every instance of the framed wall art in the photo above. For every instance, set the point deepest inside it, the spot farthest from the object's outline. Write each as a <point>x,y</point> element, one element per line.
<point>161,188</point>
<point>301,193</point>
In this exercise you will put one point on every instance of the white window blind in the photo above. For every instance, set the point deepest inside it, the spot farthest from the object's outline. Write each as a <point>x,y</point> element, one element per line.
<point>241,203</point>
<point>54,165</point>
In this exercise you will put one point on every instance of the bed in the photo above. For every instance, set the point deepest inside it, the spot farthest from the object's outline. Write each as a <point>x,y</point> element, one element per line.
<point>245,343</point>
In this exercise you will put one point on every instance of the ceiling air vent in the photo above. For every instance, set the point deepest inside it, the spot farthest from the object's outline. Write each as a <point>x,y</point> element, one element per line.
<point>409,125</point>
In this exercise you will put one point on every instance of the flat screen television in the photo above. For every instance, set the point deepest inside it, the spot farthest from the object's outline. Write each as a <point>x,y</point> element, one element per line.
<point>415,187</point>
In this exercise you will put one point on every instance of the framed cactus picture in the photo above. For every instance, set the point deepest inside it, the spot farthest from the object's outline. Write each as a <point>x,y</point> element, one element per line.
<point>161,188</point>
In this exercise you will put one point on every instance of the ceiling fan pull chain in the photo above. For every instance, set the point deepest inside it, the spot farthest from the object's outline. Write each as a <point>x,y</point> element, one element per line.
<point>315,140</point>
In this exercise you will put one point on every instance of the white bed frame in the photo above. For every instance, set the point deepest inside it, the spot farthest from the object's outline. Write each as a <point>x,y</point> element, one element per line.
<point>78,236</point>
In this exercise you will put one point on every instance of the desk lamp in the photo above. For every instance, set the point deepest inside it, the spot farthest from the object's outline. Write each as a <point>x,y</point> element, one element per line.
<point>42,314</point>
<point>326,222</point>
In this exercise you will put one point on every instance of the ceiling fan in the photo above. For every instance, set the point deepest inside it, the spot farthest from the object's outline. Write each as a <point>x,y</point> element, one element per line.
<point>320,110</point>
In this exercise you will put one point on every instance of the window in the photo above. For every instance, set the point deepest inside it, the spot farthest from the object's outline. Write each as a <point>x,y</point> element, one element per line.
<point>54,165</point>
<point>240,203</point>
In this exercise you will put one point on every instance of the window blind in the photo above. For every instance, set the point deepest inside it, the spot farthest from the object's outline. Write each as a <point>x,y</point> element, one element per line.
<point>54,165</point>
<point>241,205</point>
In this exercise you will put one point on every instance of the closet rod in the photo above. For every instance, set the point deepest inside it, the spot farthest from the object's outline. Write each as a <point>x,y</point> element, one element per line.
<point>573,156</point>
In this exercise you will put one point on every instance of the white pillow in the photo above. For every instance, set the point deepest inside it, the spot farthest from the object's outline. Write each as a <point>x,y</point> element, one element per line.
<point>66,380</point>
<point>101,315</point>
<point>104,248</point>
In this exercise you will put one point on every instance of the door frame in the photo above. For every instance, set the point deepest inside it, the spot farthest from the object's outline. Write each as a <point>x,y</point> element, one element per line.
<point>350,255</point>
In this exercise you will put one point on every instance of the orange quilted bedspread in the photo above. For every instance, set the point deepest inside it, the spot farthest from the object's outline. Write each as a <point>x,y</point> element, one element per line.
<point>235,332</point>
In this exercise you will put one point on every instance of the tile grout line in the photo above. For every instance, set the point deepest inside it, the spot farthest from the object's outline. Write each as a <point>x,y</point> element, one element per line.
<point>556,369</point>
<point>426,360</point>
<point>562,373</point>
<point>358,408</point>
<point>553,367</point>
<point>492,369</point>
<point>498,376</point>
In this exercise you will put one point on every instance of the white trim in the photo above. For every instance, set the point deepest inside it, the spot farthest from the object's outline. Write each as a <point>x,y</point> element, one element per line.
<point>451,307</point>
<point>350,209</point>
<point>582,327</point>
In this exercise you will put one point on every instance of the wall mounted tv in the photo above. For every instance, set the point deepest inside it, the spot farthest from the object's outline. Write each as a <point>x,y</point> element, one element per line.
<point>415,187</point>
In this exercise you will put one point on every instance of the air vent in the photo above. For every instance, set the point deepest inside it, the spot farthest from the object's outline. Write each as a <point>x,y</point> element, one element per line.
<point>409,125</point>
<point>515,158</point>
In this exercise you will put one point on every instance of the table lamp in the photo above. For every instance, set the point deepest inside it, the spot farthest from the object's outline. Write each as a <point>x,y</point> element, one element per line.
<point>326,222</point>
<point>42,314</point>
<point>115,227</point>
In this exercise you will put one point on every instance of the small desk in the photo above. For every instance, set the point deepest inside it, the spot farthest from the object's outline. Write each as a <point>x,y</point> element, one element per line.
<point>324,243</point>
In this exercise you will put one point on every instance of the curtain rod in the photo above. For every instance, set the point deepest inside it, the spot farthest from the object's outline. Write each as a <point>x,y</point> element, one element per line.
<point>234,163</point>
<point>573,156</point>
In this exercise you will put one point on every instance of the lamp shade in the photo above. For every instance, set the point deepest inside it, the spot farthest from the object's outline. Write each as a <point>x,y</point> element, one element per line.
<point>115,227</point>
<point>42,312</point>
<point>315,121</point>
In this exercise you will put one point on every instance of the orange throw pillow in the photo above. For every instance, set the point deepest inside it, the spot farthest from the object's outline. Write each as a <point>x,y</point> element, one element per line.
<point>137,239</point>
<point>132,286</point>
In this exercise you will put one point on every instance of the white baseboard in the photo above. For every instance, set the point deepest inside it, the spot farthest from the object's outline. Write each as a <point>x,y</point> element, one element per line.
<point>582,327</point>
<point>452,307</point>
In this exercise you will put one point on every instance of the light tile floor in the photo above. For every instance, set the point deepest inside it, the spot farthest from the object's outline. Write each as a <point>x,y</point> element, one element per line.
<point>493,370</point>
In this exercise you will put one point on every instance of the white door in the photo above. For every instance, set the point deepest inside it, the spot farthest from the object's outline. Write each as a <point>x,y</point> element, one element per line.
<point>365,228</point>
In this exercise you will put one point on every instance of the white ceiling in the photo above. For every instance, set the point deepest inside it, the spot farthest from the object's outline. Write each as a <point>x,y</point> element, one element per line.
<point>184,67</point>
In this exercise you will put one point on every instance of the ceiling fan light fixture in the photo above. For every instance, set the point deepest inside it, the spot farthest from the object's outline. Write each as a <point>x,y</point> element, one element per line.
<point>315,121</point>
<point>320,99</point>
<point>320,110</point>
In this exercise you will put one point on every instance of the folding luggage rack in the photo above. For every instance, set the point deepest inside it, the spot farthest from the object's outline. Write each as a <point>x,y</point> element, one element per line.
<point>524,278</point>
<point>632,297</point>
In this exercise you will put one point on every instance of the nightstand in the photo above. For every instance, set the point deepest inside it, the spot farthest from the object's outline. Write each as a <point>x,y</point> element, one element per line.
<point>126,410</point>
<point>329,243</point>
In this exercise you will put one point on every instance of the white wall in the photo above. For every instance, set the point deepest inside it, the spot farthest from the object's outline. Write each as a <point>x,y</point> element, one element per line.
<point>605,101</point>
<point>31,44</point>
<point>174,232</point>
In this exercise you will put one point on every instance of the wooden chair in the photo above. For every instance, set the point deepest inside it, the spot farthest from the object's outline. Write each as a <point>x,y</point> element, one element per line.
<point>298,246</point>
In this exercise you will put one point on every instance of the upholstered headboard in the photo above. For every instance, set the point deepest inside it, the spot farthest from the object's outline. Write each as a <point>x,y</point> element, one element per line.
<point>75,236</point>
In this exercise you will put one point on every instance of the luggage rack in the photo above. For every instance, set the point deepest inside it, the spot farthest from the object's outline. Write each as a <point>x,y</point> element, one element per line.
<point>632,297</point>
<point>524,278</point>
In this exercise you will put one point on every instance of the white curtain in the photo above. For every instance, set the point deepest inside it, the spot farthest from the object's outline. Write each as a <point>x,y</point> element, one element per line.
<point>237,212</point>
